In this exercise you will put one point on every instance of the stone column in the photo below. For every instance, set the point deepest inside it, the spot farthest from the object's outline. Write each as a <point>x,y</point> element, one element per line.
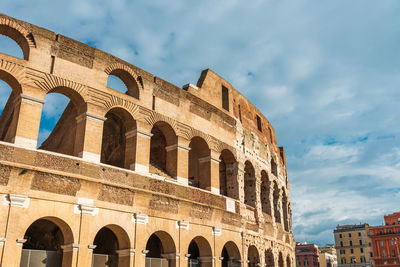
<point>182,172</point>
<point>240,178</point>
<point>24,128</point>
<point>214,172</point>
<point>142,151</point>
<point>89,134</point>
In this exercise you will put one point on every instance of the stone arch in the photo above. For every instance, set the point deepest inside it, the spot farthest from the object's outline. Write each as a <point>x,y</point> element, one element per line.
<point>70,127</point>
<point>288,261</point>
<point>281,262</point>
<point>163,150</point>
<point>9,114</point>
<point>160,248</point>
<point>249,184</point>
<point>48,239</point>
<point>132,81</point>
<point>269,258</point>
<point>228,171</point>
<point>230,255</point>
<point>285,209</point>
<point>253,257</point>
<point>199,252</point>
<point>276,195</point>
<point>110,241</point>
<point>118,141</point>
<point>265,193</point>
<point>19,34</point>
<point>199,163</point>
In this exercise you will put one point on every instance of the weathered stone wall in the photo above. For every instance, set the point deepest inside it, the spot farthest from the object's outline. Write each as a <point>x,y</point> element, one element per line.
<point>125,161</point>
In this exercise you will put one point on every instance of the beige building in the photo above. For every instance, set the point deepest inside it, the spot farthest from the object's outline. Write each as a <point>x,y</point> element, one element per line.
<point>352,245</point>
<point>327,256</point>
<point>156,176</point>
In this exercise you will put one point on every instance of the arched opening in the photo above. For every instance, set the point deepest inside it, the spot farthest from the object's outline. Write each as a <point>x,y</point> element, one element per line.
<point>249,185</point>
<point>16,37</point>
<point>199,253</point>
<point>230,255</point>
<point>160,250</point>
<point>122,81</point>
<point>269,258</point>
<point>46,244</point>
<point>163,150</point>
<point>265,193</point>
<point>252,257</point>
<point>281,263</point>
<point>228,184</point>
<point>10,47</point>
<point>59,127</point>
<point>274,167</point>
<point>199,164</point>
<point>109,242</point>
<point>288,262</point>
<point>118,143</point>
<point>277,212</point>
<point>285,210</point>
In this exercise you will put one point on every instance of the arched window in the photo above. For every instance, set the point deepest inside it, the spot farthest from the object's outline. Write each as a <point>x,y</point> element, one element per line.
<point>277,212</point>
<point>249,185</point>
<point>265,193</point>
<point>163,150</point>
<point>288,261</point>
<point>123,81</point>
<point>228,184</point>
<point>199,164</point>
<point>269,258</point>
<point>285,210</point>
<point>281,262</point>
<point>61,129</point>
<point>274,168</point>
<point>10,47</point>
<point>199,253</point>
<point>253,257</point>
<point>230,255</point>
<point>107,242</point>
<point>118,143</point>
<point>161,250</point>
<point>44,241</point>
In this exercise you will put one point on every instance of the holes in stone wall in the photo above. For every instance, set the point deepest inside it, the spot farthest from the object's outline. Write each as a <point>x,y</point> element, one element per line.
<point>228,175</point>
<point>265,193</point>
<point>249,185</point>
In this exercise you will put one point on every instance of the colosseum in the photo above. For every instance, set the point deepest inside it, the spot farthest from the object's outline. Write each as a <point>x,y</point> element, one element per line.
<point>157,176</point>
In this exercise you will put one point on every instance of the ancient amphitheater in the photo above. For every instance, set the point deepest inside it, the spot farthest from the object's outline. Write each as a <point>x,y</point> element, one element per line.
<point>158,176</point>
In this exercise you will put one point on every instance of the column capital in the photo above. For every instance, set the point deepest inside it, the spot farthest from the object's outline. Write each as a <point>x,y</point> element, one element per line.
<point>126,252</point>
<point>21,241</point>
<point>70,247</point>
<point>90,116</point>
<point>29,99</point>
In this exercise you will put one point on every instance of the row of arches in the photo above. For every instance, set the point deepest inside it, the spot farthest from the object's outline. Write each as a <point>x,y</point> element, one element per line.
<point>47,241</point>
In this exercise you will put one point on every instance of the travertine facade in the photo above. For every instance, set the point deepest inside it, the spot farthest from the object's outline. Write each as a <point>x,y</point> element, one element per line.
<point>159,175</point>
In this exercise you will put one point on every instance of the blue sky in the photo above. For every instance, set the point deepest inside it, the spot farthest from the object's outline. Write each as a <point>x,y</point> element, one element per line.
<point>325,73</point>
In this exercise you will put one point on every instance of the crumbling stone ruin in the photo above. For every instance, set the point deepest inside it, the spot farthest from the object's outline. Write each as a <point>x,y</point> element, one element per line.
<point>156,176</point>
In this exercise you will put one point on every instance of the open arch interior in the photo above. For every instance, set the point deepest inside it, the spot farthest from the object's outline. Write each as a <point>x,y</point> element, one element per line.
<point>163,150</point>
<point>253,256</point>
<point>122,81</point>
<point>44,244</point>
<point>288,261</point>
<point>199,164</point>
<point>108,241</point>
<point>10,47</point>
<point>230,255</point>
<point>17,38</point>
<point>228,183</point>
<point>160,250</point>
<point>249,185</point>
<point>277,212</point>
<point>285,210</point>
<point>199,253</point>
<point>281,263</point>
<point>118,141</point>
<point>265,193</point>
<point>269,258</point>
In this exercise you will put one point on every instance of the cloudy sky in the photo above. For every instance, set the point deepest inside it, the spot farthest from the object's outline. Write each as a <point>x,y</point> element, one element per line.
<point>325,73</point>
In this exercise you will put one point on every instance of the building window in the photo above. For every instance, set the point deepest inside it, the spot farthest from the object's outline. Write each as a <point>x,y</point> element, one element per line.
<point>371,254</point>
<point>390,231</point>
<point>368,233</point>
<point>342,251</point>
<point>351,251</point>
<point>360,242</point>
<point>391,242</point>
<point>349,234</point>
<point>384,253</point>
<point>225,98</point>
<point>361,250</point>
<point>353,260</point>
<point>343,260</point>
<point>340,236</point>
<point>351,243</point>
<point>398,222</point>
<point>359,233</point>
<point>382,244</point>
<point>393,253</point>
<point>362,259</point>
<point>341,243</point>
<point>381,232</point>
<point>305,262</point>
<point>259,126</point>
